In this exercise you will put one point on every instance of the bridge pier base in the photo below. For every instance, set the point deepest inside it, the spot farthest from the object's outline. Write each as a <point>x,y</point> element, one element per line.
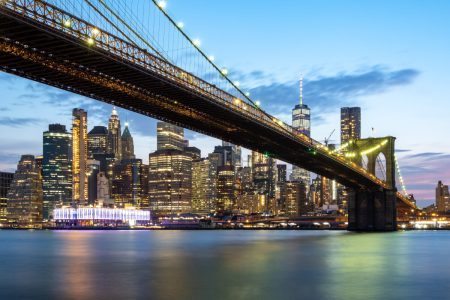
<point>370,210</point>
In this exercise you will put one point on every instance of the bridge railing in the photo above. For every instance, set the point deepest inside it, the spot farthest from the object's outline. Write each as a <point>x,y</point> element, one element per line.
<point>93,36</point>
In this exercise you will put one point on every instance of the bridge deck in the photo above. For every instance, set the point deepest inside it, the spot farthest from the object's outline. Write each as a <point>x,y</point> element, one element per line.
<point>113,71</point>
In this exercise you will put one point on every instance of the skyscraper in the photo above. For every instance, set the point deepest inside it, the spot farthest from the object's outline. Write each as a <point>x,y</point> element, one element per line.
<point>56,168</point>
<point>114,135</point>
<point>127,144</point>
<point>226,197</point>
<point>201,183</point>
<point>301,121</point>
<point>281,172</point>
<point>126,183</point>
<point>350,123</point>
<point>293,198</point>
<point>25,194</point>
<point>237,153</point>
<point>5,183</point>
<point>170,181</point>
<point>79,157</point>
<point>169,136</point>
<point>442,198</point>
<point>264,176</point>
<point>170,172</point>
<point>98,141</point>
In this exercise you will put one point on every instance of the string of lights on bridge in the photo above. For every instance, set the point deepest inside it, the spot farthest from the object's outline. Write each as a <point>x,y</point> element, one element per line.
<point>196,43</point>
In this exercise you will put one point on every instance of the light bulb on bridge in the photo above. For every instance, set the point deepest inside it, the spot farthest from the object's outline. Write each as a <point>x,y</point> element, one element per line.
<point>180,25</point>
<point>237,83</point>
<point>258,103</point>
<point>224,71</point>
<point>211,58</point>
<point>67,23</point>
<point>247,94</point>
<point>196,42</point>
<point>162,4</point>
<point>90,41</point>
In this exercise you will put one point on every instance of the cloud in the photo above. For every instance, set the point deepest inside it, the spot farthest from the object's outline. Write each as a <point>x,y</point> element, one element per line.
<point>421,171</point>
<point>19,122</point>
<point>328,93</point>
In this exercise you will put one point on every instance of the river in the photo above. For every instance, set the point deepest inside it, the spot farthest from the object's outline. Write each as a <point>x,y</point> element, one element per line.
<point>224,264</point>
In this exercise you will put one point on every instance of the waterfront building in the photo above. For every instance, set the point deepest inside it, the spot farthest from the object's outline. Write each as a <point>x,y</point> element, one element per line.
<point>126,183</point>
<point>79,157</point>
<point>293,200</point>
<point>170,181</point>
<point>201,183</point>
<point>114,135</point>
<point>226,197</point>
<point>5,182</point>
<point>127,144</point>
<point>99,216</point>
<point>247,200</point>
<point>442,198</point>
<point>103,194</point>
<point>56,168</point>
<point>301,122</point>
<point>350,124</point>
<point>97,141</point>
<point>264,178</point>
<point>169,136</point>
<point>145,200</point>
<point>93,167</point>
<point>24,204</point>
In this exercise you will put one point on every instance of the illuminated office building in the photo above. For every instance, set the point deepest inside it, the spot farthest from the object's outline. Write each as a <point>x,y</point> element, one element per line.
<point>169,136</point>
<point>264,177</point>
<point>127,144</point>
<point>170,176</point>
<point>170,172</point>
<point>56,168</point>
<point>293,200</point>
<point>24,204</point>
<point>201,184</point>
<point>281,172</point>
<point>247,200</point>
<point>350,124</point>
<point>93,167</point>
<point>114,135</point>
<point>5,182</point>
<point>301,122</point>
<point>226,197</point>
<point>79,157</point>
<point>442,198</point>
<point>145,199</point>
<point>97,141</point>
<point>126,183</point>
<point>237,153</point>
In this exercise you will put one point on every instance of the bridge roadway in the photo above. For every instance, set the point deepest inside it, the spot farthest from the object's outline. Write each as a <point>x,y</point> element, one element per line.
<point>43,43</point>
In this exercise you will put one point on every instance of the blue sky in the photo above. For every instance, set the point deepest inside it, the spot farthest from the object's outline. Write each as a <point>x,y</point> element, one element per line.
<point>389,57</point>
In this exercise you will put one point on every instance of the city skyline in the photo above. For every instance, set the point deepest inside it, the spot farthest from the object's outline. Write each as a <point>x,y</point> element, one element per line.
<point>393,75</point>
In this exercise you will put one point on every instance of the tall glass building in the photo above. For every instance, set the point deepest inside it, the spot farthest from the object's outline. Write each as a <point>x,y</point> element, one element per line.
<point>169,136</point>
<point>5,182</point>
<point>25,194</point>
<point>114,135</point>
<point>98,141</point>
<point>301,121</point>
<point>350,123</point>
<point>79,157</point>
<point>56,168</point>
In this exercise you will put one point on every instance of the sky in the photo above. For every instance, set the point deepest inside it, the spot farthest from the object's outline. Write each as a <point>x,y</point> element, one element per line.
<point>391,58</point>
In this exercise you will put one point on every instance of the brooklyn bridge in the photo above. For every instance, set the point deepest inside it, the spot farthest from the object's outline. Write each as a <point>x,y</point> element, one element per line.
<point>109,51</point>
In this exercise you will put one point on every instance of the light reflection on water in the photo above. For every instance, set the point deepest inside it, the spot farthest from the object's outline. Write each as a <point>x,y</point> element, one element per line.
<point>223,265</point>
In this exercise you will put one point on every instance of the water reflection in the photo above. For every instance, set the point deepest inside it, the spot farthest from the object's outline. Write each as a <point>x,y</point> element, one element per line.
<point>222,265</point>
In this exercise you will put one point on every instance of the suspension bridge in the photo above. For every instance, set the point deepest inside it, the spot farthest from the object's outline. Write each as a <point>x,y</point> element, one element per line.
<point>133,54</point>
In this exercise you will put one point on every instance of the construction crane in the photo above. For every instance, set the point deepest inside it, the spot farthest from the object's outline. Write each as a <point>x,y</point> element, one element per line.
<point>326,140</point>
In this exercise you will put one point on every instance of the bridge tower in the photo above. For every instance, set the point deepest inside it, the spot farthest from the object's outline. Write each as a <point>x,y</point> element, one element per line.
<point>373,209</point>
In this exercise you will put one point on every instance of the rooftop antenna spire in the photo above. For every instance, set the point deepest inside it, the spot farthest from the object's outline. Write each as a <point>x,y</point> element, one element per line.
<point>301,90</point>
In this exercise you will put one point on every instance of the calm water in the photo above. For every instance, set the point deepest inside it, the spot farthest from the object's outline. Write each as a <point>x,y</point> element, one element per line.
<point>224,265</point>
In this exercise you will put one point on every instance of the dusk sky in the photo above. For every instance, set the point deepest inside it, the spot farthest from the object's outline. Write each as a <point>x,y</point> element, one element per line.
<point>391,58</point>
